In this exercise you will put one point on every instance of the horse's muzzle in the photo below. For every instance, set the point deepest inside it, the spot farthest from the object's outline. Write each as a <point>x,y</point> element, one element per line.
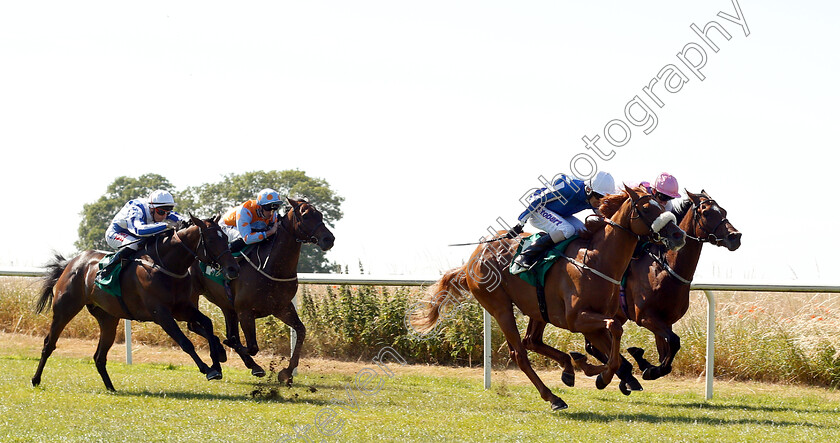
<point>326,242</point>
<point>732,241</point>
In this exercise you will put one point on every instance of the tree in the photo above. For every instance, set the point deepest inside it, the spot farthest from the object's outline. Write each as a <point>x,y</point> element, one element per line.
<point>97,216</point>
<point>215,198</point>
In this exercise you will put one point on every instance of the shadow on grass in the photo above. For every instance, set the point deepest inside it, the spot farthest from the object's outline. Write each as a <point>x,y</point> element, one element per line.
<point>269,397</point>
<point>660,419</point>
<point>738,407</point>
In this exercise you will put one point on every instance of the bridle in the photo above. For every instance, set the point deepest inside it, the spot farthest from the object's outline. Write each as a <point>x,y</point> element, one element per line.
<point>308,237</point>
<point>653,235</point>
<point>710,234</point>
<point>202,244</point>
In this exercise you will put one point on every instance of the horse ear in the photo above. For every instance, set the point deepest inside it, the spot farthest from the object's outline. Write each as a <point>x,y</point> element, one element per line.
<point>632,193</point>
<point>195,220</point>
<point>292,202</point>
<point>694,197</point>
<point>217,218</point>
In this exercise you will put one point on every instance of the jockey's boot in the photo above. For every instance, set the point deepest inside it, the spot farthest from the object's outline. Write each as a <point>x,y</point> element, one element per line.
<point>121,255</point>
<point>529,257</point>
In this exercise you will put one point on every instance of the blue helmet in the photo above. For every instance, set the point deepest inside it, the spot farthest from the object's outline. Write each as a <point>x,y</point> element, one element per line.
<point>268,196</point>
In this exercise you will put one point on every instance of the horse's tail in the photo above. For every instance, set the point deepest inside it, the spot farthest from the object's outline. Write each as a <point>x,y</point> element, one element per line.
<point>440,298</point>
<point>55,268</point>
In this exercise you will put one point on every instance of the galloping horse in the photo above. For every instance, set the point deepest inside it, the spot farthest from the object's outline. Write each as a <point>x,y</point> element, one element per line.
<point>154,288</point>
<point>268,285</point>
<point>580,295</point>
<point>657,291</point>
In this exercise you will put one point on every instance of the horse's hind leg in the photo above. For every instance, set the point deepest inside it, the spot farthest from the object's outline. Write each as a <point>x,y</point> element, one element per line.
<point>65,307</point>
<point>107,333</point>
<point>533,341</point>
<point>163,317</point>
<point>519,354</point>
<point>289,316</point>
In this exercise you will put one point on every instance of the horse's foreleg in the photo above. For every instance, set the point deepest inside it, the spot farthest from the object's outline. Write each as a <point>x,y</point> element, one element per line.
<point>533,341</point>
<point>628,383</point>
<point>203,326</point>
<point>289,316</point>
<point>249,330</point>
<point>519,354</point>
<point>163,317</point>
<point>232,340</point>
<point>599,328</point>
<point>667,343</point>
<point>65,307</point>
<point>107,333</point>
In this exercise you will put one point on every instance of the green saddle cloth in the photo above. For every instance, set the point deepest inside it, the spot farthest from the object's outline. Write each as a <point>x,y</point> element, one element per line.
<point>217,275</point>
<point>110,283</point>
<point>537,273</point>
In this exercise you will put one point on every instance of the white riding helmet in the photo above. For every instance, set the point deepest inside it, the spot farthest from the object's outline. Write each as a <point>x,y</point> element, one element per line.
<point>602,183</point>
<point>160,198</point>
<point>268,196</point>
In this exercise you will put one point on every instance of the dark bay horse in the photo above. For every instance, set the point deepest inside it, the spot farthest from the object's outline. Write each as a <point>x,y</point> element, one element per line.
<point>657,297</point>
<point>267,284</point>
<point>581,297</point>
<point>154,288</point>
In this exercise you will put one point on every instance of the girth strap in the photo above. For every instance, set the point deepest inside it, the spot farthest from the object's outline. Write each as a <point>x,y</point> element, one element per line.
<point>594,271</point>
<point>541,301</point>
<point>664,264</point>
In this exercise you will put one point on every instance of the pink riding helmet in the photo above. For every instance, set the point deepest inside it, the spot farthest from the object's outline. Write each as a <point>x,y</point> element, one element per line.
<point>667,184</point>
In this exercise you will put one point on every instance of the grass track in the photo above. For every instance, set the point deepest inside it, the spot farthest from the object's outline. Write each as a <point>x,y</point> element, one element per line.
<point>166,402</point>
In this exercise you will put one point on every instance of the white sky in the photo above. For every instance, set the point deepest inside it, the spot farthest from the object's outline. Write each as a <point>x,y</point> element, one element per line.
<point>431,118</point>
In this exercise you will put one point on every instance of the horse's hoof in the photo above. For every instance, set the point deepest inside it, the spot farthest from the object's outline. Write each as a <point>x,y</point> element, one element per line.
<point>36,382</point>
<point>637,353</point>
<point>624,389</point>
<point>258,372</point>
<point>599,382</point>
<point>558,404</point>
<point>577,356</point>
<point>634,385</point>
<point>650,373</point>
<point>214,375</point>
<point>568,378</point>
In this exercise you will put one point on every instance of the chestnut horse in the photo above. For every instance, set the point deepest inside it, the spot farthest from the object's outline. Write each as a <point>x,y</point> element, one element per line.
<point>267,284</point>
<point>657,297</point>
<point>581,296</point>
<point>154,288</point>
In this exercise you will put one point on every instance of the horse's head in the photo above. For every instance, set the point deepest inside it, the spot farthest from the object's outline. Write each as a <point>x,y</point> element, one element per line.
<point>710,223</point>
<point>307,224</point>
<point>213,248</point>
<point>649,218</point>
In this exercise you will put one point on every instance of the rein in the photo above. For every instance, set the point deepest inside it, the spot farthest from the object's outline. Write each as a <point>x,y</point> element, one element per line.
<point>201,242</point>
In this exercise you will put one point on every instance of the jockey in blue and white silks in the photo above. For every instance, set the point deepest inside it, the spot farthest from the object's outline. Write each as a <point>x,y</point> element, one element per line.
<point>551,209</point>
<point>138,219</point>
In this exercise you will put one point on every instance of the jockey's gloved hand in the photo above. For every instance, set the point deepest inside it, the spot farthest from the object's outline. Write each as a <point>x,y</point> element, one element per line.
<point>181,224</point>
<point>515,231</point>
<point>237,245</point>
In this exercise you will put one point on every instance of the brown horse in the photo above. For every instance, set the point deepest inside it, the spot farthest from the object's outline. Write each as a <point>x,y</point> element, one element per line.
<point>581,296</point>
<point>267,284</point>
<point>154,288</point>
<point>657,297</point>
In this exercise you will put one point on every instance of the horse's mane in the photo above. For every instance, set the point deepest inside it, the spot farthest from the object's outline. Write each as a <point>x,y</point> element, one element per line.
<point>611,203</point>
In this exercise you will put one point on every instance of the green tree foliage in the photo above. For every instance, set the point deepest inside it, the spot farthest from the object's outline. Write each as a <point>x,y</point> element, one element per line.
<point>98,215</point>
<point>215,198</point>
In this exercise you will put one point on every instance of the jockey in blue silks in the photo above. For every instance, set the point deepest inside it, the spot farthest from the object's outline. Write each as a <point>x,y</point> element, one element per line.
<point>551,209</point>
<point>138,219</point>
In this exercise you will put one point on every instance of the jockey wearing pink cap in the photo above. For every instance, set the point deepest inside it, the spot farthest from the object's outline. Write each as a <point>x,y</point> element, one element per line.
<point>664,189</point>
